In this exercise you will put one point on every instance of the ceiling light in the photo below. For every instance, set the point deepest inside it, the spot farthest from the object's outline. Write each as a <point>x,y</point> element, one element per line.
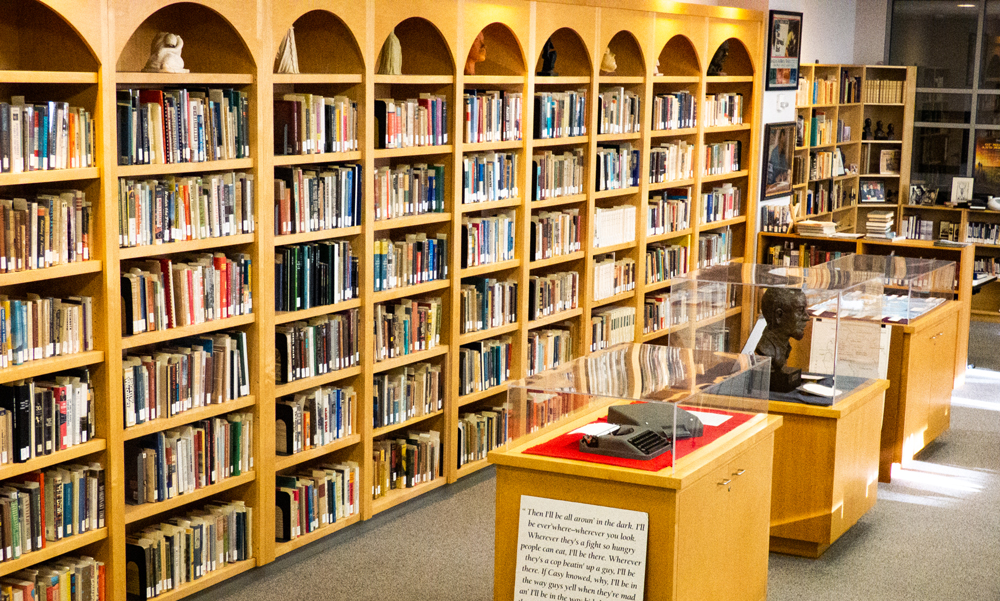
<point>966,5</point>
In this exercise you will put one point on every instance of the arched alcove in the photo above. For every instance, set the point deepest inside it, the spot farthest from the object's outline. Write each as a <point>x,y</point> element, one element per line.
<point>33,37</point>
<point>679,58</point>
<point>504,54</point>
<point>325,44</point>
<point>737,63</point>
<point>628,55</point>
<point>572,59</point>
<point>424,49</point>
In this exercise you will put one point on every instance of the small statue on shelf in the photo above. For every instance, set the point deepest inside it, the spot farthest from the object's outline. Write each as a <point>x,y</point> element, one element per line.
<point>476,55</point>
<point>879,134</point>
<point>866,133</point>
<point>548,60</point>
<point>656,69</point>
<point>889,133</point>
<point>165,54</point>
<point>784,311</point>
<point>715,67</point>
<point>390,59</point>
<point>288,55</point>
<point>608,63</point>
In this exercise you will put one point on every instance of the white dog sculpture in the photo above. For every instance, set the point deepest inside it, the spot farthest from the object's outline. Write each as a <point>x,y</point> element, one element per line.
<point>165,54</point>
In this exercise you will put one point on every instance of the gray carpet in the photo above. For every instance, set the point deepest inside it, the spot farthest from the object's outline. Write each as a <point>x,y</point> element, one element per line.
<point>933,535</point>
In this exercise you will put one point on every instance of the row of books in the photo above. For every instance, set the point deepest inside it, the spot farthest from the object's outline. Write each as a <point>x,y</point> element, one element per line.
<point>483,365</point>
<point>488,239</point>
<point>826,196</point>
<point>407,326</point>
<point>83,576</point>
<point>724,202</point>
<point>775,218</point>
<point>713,299</point>
<point>949,230</point>
<point>560,114</point>
<point>414,260</point>
<point>843,131</point>
<point>722,157</point>
<point>614,225</point>
<point>160,294</point>
<point>618,111</point>
<point>321,345</point>
<point>662,311</point>
<point>986,266</point>
<point>554,234</point>
<point>406,190</point>
<point>176,209</point>
<point>879,224</point>
<point>790,254</point>
<point>407,392</point>
<point>314,418</point>
<point>850,88</point>
<point>546,408</point>
<point>314,275</point>
<point>317,199</point>
<point>187,374</point>
<point>723,109</point>
<point>677,110</point>
<point>915,228</point>
<point>715,248</point>
<point>412,122</point>
<point>552,293</point>
<point>617,167</point>
<point>481,432</point>
<point>489,176</point>
<point>820,165</point>
<point>884,91</point>
<point>36,328</point>
<point>666,261</point>
<point>613,276</point>
<point>492,116</point>
<point>44,231</point>
<point>555,175</point>
<point>314,124</point>
<point>315,497</point>
<point>800,170</point>
<point>158,127</point>
<point>669,211</point>
<point>715,339</point>
<point>182,460</point>
<point>822,131</point>
<point>487,303</point>
<point>825,91</point>
<point>406,462</point>
<point>549,348</point>
<point>186,548</point>
<point>42,416</point>
<point>610,326</point>
<point>45,135</point>
<point>982,233</point>
<point>803,93</point>
<point>671,161</point>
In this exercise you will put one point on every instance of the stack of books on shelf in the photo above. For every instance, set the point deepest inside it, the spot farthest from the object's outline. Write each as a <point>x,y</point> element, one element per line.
<point>715,248</point>
<point>406,393</point>
<point>802,93</point>
<point>664,310</point>
<point>915,228</point>
<point>314,124</point>
<point>775,218</point>
<point>414,260</point>
<point>617,167</point>
<point>77,578</point>
<point>879,225</point>
<point>825,90</point>
<point>481,432</point>
<point>489,176</point>
<point>492,116</point>
<point>721,203</point>
<point>321,345</point>
<point>487,303</point>
<point>850,88</point>
<point>483,365</point>
<point>677,110</point>
<point>560,114</point>
<point>488,240</point>
<point>723,157</point>
<point>555,175</point>
<point>45,231</point>
<point>314,275</point>
<point>611,326</point>
<point>802,255</point>
<point>723,109</point>
<point>314,418</point>
<point>982,233</point>
<point>664,262</point>
<point>555,234</point>
<point>310,200</point>
<point>671,161</point>
<point>407,190</point>
<point>315,497</point>
<point>618,111</point>
<point>549,348</point>
<point>413,122</point>
<point>44,416</point>
<point>552,293</point>
<point>36,328</point>
<point>407,461</point>
<point>612,276</point>
<point>669,212</point>
<point>45,135</point>
<point>407,326</point>
<point>816,228</point>
<point>614,225</point>
<point>884,91</point>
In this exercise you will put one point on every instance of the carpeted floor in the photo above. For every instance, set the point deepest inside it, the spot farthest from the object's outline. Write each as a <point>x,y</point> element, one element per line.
<point>933,535</point>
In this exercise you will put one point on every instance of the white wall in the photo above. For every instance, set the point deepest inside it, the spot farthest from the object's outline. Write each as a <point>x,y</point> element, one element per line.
<point>869,31</point>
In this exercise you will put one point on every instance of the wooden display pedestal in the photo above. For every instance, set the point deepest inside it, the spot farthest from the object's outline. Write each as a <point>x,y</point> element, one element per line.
<point>825,463</point>
<point>707,517</point>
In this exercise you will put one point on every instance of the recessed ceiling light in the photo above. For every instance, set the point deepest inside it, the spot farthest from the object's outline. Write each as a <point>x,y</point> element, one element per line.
<point>966,6</point>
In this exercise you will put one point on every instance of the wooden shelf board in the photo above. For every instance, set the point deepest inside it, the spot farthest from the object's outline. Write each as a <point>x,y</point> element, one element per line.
<point>556,260</point>
<point>48,176</point>
<point>714,225</point>
<point>468,272</point>
<point>554,318</point>
<point>293,78</point>
<point>707,321</point>
<point>181,168</point>
<point>187,417</point>
<point>620,79</point>
<point>470,398</point>
<point>395,497</point>
<point>665,331</point>
<point>311,159</point>
<point>985,316</point>
<point>185,331</point>
<point>174,79</point>
<point>602,302</point>
<point>289,316</point>
<point>499,80</point>
<point>563,141</point>
<point>724,176</point>
<point>90,447</point>
<point>50,273</point>
<point>489,146</point>
<point>669,133</point>
<point>721,129</point>
<point>668,236</point>
<point>33,369</point>
<point>411,221</point>
<point>386,365</point>
<point>281,390</point>
<point>562,80</point>
<point>657,286</point>
<point>884,104</point>
<point>414,79</point>
<point>558,201</point>
<point>729,79</point>
<point>222,574</point>
<point>58,77</point>
<point>676,78</point>
<point>881,141</point>
<point>472,467</point>
<point>301,541</point>
<point>937,208</point>
<point>283,462</point>
<point>616,192</point>
<point>405,291</point>
<point>874,175</point>
<point>603,250</point>
<point>413,151</point>
<point>52,550</point>
<point>475,207</point>
<point>306,237</point>
<point>405,424</point>
<point>478,335</point>
<point>134,513</point>
<point>677,183</point>
<point>172,248</point>
<point>623,137</point>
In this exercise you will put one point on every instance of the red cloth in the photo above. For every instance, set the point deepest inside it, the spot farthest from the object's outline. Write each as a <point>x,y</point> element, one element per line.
<point>567,446</point>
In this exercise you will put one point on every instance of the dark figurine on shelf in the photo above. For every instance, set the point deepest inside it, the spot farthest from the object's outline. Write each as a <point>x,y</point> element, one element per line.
<point>879,134</point>
<point>548,60</point>
<point>889,133</point>
<point>715,67</point>
<point>866,133</point>
<point>784,311</point>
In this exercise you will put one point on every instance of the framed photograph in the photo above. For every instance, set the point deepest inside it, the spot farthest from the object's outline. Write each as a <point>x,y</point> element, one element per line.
<point>871,191</point>
<point>921,194</point>
<point>779,146</point>
<point>889,162</point>
<point>784,46</point>
<point>961,189</point>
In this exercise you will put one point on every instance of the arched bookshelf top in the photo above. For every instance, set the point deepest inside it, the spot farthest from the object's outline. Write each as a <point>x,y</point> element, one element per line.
<point>35,37</point>
<point>424,49</point>
<point>628,55</point>
<point>211,43</point>
<point>325,44</point>
<point>679,58</point>
<point>504,54</point>
<point>737,63</point>
<point>572,58</point>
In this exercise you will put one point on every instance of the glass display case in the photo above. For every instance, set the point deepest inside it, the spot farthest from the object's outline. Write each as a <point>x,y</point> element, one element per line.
<point>821,326</point>
<point>637,405</point>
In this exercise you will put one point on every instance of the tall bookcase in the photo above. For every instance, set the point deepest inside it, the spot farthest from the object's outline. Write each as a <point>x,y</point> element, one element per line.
<point>86,52</point>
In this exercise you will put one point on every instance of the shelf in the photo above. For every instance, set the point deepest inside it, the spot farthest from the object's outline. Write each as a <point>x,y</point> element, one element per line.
<point>884,104</point>
<point>620,79</point>
<point>317,236</point>
<point>676,78</point>
<point>665,331</point>
<point>301,384</point>
<point>187,417</point>
<point>33,369</point>
<point>721,129</point>
<point>293,78</point>
<point>729,79</point>
<point>665,133</point>
<point>558,201</point>
<point>176,79</point>
<point>881,141</point>
<point>405,424</point>
<point>470,337</point>
<point>488,146</point>
<point>181,168</point>
<point>402,495</point>
<point>185,331</point>
<point>53,549</point>
<point>563,141</point>
<point>289,316</point>
<point>623,137</point>
<point>885,175</point>
<point>941,208</point>
<point>497,80</point>
<point>173,248</point>
<point>475,207</point>
<point>50,273</point>
<point>554,318</point>
<point>59,77</point>
<point>657,286</point>
<point>470,398</point>
<point>468,272</point>
<point>48,176</point>
<point>677,183</point>
<point>613,248</point>
<point>414,79</point>
<point>616,192</point>
<point>417,357</point>
<point>557,260</point>
<point>211,578</point>
<point>668,236</point>
<point>283,462</point>
<point>707,321</point>
<point>411,221</point>
<point>134,513</point>
<point>562,80</point>
<point>472,467</point>
<point>412,151</point>
<point>12,470</point>
<point>405,291</point>
<point>714,225</point>
<point>301,541</point>
<point>602,302</point>
<point>310,159</point>
<point>705,179</point>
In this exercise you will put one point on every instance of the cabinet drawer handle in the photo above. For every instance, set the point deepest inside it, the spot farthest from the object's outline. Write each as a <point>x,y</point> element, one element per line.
<point>725,482</point>
<point>739,472</point>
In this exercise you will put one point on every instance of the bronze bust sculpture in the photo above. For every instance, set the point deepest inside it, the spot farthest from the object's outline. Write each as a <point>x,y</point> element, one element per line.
<point>784,312</point>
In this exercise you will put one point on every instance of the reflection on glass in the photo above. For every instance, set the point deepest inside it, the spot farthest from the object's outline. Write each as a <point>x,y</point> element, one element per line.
<point>987,162</point>
<point>989,67</point>
<point>947,64</point>
<point>939,154</point>
<point>988,109</point>
<point>943,108</point>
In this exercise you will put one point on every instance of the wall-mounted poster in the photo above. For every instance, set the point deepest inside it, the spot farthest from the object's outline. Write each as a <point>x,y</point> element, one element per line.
<point>779,144</point>
<point>987,169</point>
<point>784,46</point>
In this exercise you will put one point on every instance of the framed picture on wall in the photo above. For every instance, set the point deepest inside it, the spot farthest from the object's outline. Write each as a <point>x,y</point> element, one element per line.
<point>784,47</point>
<point>779,144</point>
